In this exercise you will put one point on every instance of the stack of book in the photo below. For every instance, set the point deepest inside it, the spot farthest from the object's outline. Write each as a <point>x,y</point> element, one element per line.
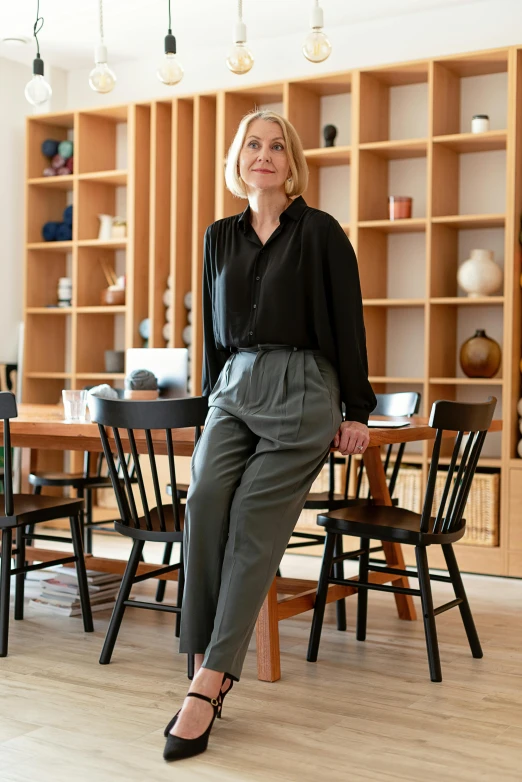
<point>59,594</point>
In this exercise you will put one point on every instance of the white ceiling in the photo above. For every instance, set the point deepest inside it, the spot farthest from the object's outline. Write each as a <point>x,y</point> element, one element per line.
<point>134,29</point>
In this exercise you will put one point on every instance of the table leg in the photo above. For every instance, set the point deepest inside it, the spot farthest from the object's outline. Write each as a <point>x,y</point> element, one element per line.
<point>267,639</point>
<point>392,551</point>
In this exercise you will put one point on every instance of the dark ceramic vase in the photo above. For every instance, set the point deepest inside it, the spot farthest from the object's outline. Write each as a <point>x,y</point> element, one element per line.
<point>480,355</point>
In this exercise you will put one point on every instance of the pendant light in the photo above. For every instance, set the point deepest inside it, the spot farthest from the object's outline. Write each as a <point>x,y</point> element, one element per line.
<point>316,47</point>
<point>240,59</point>
<point>38,91</point>
<point>170,71</point>
<point>101,78</point>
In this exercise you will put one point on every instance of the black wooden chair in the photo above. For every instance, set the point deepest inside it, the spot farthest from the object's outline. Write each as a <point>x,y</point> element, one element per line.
<point>405,404</point>
<point>398,525</point>
<point>161,522</point>
<point>84,483</point>
<point>21,510</point>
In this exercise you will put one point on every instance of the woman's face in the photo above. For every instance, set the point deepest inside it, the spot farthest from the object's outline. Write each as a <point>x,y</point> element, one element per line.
<point>263,161</point>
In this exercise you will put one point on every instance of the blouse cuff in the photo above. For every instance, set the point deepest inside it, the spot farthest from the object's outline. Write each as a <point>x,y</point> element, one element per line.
<point>358,414</point>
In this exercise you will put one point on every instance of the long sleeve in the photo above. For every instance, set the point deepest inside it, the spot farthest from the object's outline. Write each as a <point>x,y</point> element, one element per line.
<point>346,311</point>
<point>213,359</point>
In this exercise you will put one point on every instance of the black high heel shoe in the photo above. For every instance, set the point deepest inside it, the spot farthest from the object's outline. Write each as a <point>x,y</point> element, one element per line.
<point>178,748</point>
<point>221,696</point>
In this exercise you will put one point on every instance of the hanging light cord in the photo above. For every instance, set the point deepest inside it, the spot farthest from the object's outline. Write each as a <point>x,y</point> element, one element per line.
<point>101,21</point>
<point>170,21</point>
<point>38,26</point>
<point>240,10</point>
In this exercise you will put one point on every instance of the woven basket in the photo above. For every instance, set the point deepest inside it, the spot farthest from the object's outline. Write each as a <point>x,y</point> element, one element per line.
<point>481,512</point>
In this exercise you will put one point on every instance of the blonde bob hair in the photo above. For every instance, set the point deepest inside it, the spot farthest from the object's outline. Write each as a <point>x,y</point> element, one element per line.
<point>296,184</point>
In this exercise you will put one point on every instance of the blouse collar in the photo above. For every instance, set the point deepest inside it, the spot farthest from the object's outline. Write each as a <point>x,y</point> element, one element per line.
<point>293,212</point>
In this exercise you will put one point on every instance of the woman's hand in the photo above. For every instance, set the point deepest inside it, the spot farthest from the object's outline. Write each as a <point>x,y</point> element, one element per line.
<point>352,437</point>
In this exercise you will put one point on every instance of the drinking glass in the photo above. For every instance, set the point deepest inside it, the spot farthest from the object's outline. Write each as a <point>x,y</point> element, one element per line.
<point>74,405</point>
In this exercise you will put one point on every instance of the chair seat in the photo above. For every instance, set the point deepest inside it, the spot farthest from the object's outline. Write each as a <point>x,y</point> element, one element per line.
<point>386,522</point>
<point>34,508</point>
<point>74,479</point>
<point>322,500</point>
<point>142,533</point>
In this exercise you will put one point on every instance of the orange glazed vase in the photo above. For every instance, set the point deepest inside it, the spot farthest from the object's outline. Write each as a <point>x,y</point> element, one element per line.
<point>480,356</point>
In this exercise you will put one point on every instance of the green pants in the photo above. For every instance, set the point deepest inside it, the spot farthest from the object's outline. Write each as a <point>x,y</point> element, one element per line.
<point>273,413</point>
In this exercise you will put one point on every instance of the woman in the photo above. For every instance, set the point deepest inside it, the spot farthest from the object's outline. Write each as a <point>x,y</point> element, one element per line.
<point>284,346</point>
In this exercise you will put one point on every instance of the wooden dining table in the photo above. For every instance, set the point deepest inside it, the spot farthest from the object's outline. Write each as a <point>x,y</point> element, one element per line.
<point>43,427</point>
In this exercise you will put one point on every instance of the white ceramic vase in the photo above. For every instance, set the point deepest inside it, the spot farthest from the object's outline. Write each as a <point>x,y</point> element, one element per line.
<point>105,230</point>
<point>480,275</point>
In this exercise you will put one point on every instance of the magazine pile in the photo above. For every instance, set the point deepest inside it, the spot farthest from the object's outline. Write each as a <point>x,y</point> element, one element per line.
<point>59,593</point>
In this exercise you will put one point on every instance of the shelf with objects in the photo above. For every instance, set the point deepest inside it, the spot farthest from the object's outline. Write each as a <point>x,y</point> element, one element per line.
<point>444,132</point>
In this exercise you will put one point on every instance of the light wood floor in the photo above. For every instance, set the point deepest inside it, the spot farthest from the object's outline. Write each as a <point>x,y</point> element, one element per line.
<point>362,712</point>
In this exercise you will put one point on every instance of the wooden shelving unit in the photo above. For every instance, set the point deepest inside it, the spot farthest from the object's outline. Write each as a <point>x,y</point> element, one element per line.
<point>402,129</point>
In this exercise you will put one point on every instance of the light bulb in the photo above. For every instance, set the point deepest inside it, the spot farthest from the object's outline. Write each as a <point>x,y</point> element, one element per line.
<point>240,59</point>
<point>170,71</point>
<point>38,91</point>
<point>316,47</point>
<point>101,78</point>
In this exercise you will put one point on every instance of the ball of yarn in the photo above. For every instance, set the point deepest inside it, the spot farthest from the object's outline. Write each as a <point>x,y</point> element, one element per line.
<point>68,215</point>
<point>63,171</point>
<point>187,335</point>
<point>49,231</point>
<point>65,148</point>
<point>141,380</point>
<point>58,161</point>
<point>187,300</point>
<point>104,390</point>
<point>63,232</point>
<point>166,331</point>
<point>168,314</point>
<point>50,147</point>
<point>169,281</point>
<point>144,328</point>
<point>70,164</point>
<point>167,297</point>
<point>49,171</point>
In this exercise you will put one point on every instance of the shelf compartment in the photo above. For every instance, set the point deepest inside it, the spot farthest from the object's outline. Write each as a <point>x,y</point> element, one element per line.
<point>472,221</point>
<point>47,340</point>
<point>394,103</point>
<point>397,150</point>
<point>329,190</point>
<point>52,126</point>
<point>314,103</point>
<point>44,270</point>
<point>411,225</point>
<point>96,333</point>
<point>392,266</point>
<point>98,197</point>
<point>91,280</point>
<point>59,182</point>
<point>44,205</point>
<point>329,156</point>
<point>473,142</point>
<point>380,178</point>
<point>470,85</point>
<point>395,343</point>
<point>45,389</point>
<point>102,136</point>
<point>117,177</point>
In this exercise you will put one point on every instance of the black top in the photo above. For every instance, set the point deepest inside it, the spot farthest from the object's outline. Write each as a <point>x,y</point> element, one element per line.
<point>301,288</point>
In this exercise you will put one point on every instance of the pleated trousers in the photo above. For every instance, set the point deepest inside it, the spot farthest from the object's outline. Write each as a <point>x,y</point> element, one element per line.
<point>273,413</point>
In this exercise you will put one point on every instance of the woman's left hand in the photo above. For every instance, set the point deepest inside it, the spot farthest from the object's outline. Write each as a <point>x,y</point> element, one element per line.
<point>352,437</point>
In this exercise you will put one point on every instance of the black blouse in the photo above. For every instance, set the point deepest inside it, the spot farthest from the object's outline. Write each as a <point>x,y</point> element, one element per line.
<point>301,288</point>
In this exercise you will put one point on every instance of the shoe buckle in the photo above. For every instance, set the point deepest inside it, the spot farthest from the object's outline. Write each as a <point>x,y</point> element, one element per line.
<point>214,702</point>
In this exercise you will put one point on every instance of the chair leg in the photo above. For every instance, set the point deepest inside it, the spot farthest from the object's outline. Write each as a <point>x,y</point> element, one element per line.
<point>119,607</point>
<point>87,527</point>
<point>320,598</point>
<point>5,587</point>
<point>83,586</point>
<point>20,577</point>
<point>338,572</point>
<point>181,589</point>
<point>362,594</point>
<point>160,590</point>
<point>465,611</point>
<point>430,629</point>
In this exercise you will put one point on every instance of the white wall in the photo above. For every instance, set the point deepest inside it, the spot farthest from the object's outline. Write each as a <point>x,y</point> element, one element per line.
<point>13,78</point>
<point>482,25</point>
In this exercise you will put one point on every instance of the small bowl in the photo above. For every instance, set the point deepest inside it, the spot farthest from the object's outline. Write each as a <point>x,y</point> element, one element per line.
<point>113,296</point>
